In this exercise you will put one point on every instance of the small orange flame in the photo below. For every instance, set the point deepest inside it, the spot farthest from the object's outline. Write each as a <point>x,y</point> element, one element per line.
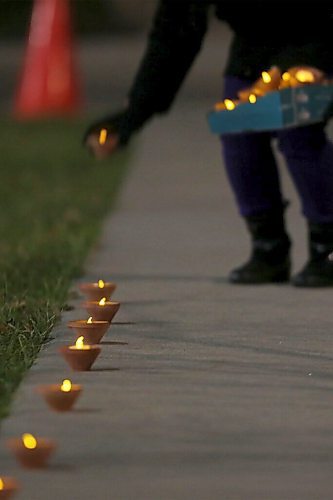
<point>305,76</point>
<point>102,301</point>
<point>66,385</point>
<point>229,104</point>
<point>102,136</point>
<point>266,77</point>
<point>29,441</point>
<point>2,484</point>
<point>101,284</point>
<point>252,98</point>
<point>89,320</point>
<point>79,344</point>
<point>286,76</point>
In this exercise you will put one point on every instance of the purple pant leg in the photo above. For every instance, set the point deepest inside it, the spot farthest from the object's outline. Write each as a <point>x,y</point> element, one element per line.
<point>309,157</point>
<point>250,164</point>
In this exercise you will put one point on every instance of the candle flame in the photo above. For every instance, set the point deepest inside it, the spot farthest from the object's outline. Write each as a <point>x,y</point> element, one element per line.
<point>286,76</point>
<point>2,484</point>
<point>304,76</point>
<point>102,136</point>
<point>79,344</point>
<point>102,301</point>
<point>229,104</point>
<point>66,385</point>
<point>29,441</point>
<point>266,77</point>
<point>252,98</point>
<point>89,320</point>
<point>101,284</point>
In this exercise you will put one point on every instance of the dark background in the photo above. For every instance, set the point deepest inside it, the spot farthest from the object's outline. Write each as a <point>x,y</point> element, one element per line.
<point>90,17</point>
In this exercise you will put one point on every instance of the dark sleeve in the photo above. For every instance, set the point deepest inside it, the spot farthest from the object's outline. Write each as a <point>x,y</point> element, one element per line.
<point>174,41</point>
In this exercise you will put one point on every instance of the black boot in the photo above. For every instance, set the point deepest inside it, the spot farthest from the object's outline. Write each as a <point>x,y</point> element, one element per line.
<point>270,258</point>
<point>318,271</point>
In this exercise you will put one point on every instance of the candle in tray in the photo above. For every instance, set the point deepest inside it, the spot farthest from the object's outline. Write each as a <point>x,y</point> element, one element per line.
<point>80,356</point>
<point>227,104</point>
<point>102,310</point>
<point>98,290</point>
<point>92,330</point>
<point>8,487</point>
<point>297,76</point>
<point>269,81</point>
<point>60,397</point>
<point>31,452</point>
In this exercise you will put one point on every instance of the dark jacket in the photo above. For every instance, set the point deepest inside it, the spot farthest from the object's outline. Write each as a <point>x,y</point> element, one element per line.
<point>266,33</point>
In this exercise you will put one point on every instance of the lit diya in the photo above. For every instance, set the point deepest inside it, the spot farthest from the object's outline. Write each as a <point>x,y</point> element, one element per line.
<point>92,330</point>
<point>31,452</point>
<point>80,356</point>
<point>268,82</point>
<point>103,310</point>
<point>96,291</point>
<point>8,487</point>
<point>60,397</point>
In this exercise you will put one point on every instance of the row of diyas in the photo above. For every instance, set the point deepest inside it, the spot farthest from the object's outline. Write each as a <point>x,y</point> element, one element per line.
<point>34,452</point>
<point>274,80</point>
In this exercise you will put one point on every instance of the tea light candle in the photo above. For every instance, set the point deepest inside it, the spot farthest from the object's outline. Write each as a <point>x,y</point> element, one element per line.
<point>96,291</point>
<point>8,487</point>
<point>31,452</point>
<point>102,310</point>
<point>60,397</point>
<point>80,356</point>
<point>92,330</point>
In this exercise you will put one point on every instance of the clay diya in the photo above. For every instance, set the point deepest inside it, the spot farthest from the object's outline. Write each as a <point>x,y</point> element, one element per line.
<point>80,356</point>
<point>8,487</point>
<point>31,452</point>
<point>92,330</point>
<point>96,291</point>
<point>60,397</point>
<point>103,310</point>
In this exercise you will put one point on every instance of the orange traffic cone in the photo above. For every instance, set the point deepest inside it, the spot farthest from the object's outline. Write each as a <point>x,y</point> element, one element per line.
<point>49,84</point>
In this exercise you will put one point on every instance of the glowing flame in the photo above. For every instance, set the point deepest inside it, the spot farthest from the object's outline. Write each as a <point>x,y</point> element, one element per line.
<point>66,386</point>
<point>101,284</point>
<point>89,321</point>
<point>252,98</point>
<point>229,104</point>
<point>79,344</point>
<point>29,441</point>
<point>305,76</point>
<point>102,301</point>
<point>102,136</point>
<point>2,484</point>
<point>266,77</point>
<point>286,76</point>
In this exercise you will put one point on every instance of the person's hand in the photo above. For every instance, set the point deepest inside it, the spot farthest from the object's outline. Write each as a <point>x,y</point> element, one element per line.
<point>102,143</point>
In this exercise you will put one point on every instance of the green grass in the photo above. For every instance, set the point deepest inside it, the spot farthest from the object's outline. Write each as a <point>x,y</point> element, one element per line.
<point>53,198</point>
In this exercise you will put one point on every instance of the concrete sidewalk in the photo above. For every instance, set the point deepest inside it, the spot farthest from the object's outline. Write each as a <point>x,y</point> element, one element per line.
<point>218,391</point>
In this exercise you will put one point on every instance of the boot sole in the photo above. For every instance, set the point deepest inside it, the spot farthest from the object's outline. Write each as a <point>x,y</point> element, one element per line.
<point>279,278</point>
